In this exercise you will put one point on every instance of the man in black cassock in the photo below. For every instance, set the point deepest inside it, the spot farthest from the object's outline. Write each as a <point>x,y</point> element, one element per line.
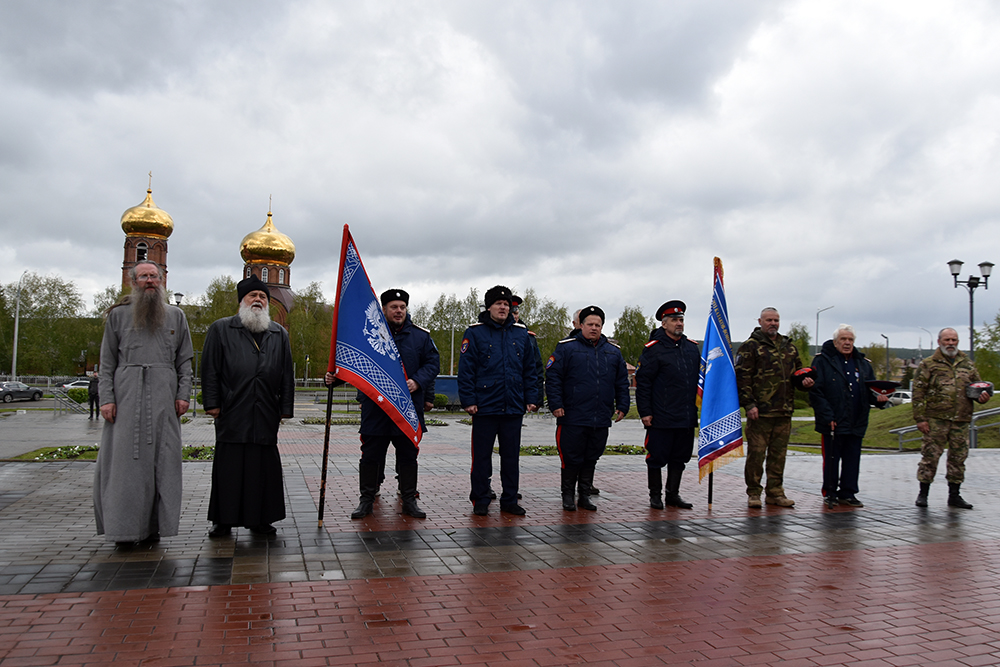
<point>247,385</point>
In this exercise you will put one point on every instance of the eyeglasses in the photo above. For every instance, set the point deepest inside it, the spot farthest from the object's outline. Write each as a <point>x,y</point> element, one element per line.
<point>147,278</point>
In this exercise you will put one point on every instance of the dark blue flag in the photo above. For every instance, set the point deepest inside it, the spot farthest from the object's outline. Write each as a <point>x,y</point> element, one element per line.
<point>362,350</point>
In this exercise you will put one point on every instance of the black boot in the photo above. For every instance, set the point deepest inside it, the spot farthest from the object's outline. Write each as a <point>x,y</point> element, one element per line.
<point>672,496</point>
<point>655,487</point>
<point>925,488</point>
<point>368,481</point>
<point>586,482</point>
<point>954,497</point>
<point>408,488</point>
<point>568,478</point>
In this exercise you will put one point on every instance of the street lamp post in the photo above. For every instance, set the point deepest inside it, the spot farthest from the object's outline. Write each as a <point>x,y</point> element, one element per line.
<point>930,342</point>
<point>887,377</point>
<point>17,320</point>
<point>985,268</point>
<point>818,311</point>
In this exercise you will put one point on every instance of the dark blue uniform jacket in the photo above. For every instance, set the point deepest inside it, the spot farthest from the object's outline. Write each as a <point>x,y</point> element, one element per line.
<point>666,381</point>
<point>497,371</point>
<point>422,364</point>
<point>832,398</point>
<point>587,380</point>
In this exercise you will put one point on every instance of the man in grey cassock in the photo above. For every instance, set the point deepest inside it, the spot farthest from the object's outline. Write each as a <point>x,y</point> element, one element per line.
<point>145,385</point>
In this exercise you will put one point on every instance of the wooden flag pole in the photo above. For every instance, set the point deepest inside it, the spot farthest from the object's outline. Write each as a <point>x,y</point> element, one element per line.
<point>326,455</point>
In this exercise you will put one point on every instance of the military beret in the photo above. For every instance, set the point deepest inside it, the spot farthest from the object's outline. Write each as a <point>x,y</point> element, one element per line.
<point>673,308</point>
<point>977,388</point>
<point>801,374</point>
<point>251,284</point>
<point>395,295</point>
<point>498,293</point>
<point>591,310</point>
<point>883,387</point>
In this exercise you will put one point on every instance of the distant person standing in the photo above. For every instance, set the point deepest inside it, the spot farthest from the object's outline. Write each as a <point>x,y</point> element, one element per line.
<point>94,395</point>
<point>247,386</point>
<point>145,385</point>
<point>942,410</point>
<point>665,393</point>
<point>764,367</point>
<point>496,384</point>
<point>587,385</point>
<point>841,400</point>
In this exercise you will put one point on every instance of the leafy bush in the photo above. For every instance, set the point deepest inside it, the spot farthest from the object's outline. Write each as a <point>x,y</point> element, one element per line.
<point>440,401</point>
<point>78,394</point>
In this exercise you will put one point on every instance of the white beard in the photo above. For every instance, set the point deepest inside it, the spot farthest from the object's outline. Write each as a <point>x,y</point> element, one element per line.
<point>254,320</point>
<point>950,353</point>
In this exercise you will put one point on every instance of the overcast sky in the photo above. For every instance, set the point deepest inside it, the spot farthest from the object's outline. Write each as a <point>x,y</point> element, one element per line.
<point>832,154</point>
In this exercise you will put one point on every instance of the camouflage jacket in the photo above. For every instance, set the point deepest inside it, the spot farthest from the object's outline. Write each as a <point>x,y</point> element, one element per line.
<point>939,388</point>
<point>764,369</point>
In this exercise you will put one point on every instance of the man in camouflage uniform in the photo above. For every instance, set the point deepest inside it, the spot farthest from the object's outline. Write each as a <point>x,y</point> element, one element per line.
<point>764,367</point>
<point>943,413</point>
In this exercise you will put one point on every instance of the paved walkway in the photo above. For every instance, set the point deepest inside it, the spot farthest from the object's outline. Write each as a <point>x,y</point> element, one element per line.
<point>888,584</point>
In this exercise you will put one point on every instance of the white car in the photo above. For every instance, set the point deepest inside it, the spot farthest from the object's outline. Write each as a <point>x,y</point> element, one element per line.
<point>81,384</point>
<point>900,397</point>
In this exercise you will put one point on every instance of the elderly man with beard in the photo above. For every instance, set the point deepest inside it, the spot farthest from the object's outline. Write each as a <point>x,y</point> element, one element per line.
<point>247,385</point>
<point>145,385</point>
<point>943,411</point>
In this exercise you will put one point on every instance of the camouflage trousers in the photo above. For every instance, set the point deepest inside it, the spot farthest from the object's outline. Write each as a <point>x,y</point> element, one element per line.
<point>767,438</point>
<point>954,435</point>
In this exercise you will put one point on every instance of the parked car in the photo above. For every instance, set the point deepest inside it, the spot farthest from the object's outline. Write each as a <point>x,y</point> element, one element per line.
<point>11,391</point>
<point>82,384</point>
<point>900,397</point>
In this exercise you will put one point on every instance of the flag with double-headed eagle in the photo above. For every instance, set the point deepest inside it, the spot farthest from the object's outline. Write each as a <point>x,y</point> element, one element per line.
<point>721,436</point>
<point>362,350</point>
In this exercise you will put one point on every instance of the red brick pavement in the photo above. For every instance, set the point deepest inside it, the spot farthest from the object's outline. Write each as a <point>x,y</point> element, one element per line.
<point>935,604</point>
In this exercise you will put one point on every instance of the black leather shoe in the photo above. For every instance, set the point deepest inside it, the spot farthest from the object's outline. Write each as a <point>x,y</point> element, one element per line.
<point>513,509</point>
<point>364,509</point>
<point>568,503</point>
<point>583,502</point>
<point>851,502</point>
<point>411,508</point>
<point>655,502</point>
<point>674,500</point>
<point>220,530</point>
<point>263,529</point>
<point>481,509</point>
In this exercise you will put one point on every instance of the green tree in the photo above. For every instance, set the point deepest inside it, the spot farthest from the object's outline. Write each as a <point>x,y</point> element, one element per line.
<point>988,350</point>
<point>53,339</point>
<point>106,298</point>
<point>632,332</point>
<point>798,333</point>
<point>218,301</point>
<point>548,320</point>
<point>310,323</point>
<point>876,354</point>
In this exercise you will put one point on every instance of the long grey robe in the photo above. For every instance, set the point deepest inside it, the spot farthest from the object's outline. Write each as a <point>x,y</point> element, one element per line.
<point>137,484</point>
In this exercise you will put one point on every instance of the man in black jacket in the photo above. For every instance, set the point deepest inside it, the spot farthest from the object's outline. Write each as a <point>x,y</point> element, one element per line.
<point>665,394</point>
<point>588,387</point>
<point>247,386</point>
<point>841,401</point>
<point>422,364</point>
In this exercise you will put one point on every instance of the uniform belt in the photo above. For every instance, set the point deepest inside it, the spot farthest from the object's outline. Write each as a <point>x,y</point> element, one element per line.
<point>144,408</point>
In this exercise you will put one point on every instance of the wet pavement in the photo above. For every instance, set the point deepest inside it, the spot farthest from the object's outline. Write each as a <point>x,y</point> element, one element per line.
<point>887,584</point>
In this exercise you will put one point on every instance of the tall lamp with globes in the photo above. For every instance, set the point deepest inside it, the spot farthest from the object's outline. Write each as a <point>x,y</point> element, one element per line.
<point>985,268</point>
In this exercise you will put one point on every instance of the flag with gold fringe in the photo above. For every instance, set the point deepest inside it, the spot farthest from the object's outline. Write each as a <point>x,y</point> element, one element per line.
<point>721,436</point>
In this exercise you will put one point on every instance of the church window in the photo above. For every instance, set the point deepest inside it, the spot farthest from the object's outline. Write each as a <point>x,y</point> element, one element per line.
<point>263,274</point>
<point>141,252</point>
<point>281,276</point>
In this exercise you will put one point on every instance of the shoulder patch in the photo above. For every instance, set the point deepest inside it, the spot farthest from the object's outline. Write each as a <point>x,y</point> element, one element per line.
<point>651,343</point>
<point>532,333</point>
<point>465,345</point>
<point>551,360</point>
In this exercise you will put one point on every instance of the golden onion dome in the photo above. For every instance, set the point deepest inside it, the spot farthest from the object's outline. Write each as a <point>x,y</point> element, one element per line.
<point>267,244</point>
<point>147,219</point>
